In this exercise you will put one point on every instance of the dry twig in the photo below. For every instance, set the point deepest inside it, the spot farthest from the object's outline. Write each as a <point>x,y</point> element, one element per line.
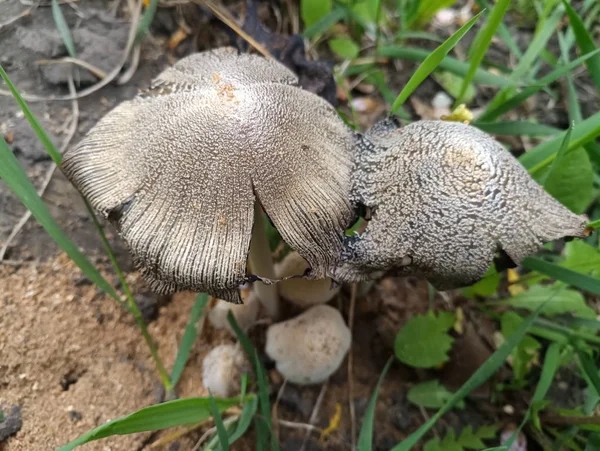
<point>315,414</point>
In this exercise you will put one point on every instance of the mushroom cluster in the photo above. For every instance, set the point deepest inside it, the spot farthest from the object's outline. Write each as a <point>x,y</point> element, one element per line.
<point>188,170</point>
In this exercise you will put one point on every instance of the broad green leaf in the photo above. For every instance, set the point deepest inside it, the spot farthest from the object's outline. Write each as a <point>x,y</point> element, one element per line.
<point>423,342</point>
<point>470,439</point>
<point>582,257</point>
<point>448,63</point>
<point>482,374</point>
<point>312,11</point>
<point>526,352</point>
<point>517,128</point>
<point>431,63</point>
<point>487,286</point>
<point>221,431</point>
<point>561,301</point>
<point>430,394</point>
<point>365,438</point>
<point>481,45</point>
<point>189,337</point>
<point>161,416</point>
<point>585,41</point>
<point>63,28</point>
<point>570,277</point>
<point>346,48</point>
<point>14,176</point>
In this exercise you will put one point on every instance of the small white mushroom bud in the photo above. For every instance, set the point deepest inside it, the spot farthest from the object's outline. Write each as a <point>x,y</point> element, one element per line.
<point>303,292</point>
<point>223,368</point>
<point>245,314</point>
<point>309,348</point>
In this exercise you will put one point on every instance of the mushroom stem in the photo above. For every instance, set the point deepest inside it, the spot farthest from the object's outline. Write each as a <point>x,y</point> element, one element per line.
<point>261,264</point>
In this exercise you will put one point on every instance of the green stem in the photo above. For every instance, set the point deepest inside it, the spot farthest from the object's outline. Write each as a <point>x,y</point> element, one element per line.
<point>132,307</point>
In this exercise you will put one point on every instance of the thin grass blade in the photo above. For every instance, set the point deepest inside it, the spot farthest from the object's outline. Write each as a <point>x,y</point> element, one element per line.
<point>588,366</point>
<point>585,42</point>
<point>14,176</point>
<point>554,173</point>
<point>189,337</point>
<point>221,431</point>
<point>432,62</point>
<point>161,416</point>
<point>517,128</point>
<point>63,28</point>
<point>325,23</point>
<point>492,113</point>
<point>145,21</point>
<point>484,372</point>
<point>570,277</point>
<point>365,438</point>
<point>448,63</point>
<point>481,45</point>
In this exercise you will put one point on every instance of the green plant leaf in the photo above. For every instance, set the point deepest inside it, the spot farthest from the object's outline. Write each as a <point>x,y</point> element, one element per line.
<point>585,42</point>
<point>189,337</point>
<point>145,21</point>
<point>517,128</point>
<point>470,439</point>
<point>481,45</point>
<point>365,438</point>
<point>526,352</point>
<point>543,154</point>
<point>312,11</point>
<point>423,342</point>
<point>430,394</point>
<point>581,257</point>
<point>452,85</point>
<point>63,28</point>
<point>447,63</point>
<point>345,47</point>
<point>570,277</point>
<point>221,431</point>
<point>325,23</point>
<point>509,104</point>
<point>432,62</point>
<point>483,373</point>
<point>161,416</point>
<point>561,301</point>
<point>14,176</point>
<point>487,286</point>
<point>248,412</point>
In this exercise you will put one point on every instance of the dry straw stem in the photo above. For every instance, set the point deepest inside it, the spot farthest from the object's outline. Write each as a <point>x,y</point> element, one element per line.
<point>50,172</point>
<point>315,414</point>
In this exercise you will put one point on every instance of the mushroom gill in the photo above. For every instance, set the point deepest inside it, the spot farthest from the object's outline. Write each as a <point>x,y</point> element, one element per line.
<point>180,167</point>
<point>445,198</point>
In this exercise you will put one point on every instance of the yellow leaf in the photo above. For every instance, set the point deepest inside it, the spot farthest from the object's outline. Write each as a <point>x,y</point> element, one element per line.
<point>460,114</point>
<point>334,422</point>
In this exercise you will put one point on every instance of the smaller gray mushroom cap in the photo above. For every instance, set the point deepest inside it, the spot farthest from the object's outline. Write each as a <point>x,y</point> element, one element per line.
<point>444,198</point>
<point>179,168</point>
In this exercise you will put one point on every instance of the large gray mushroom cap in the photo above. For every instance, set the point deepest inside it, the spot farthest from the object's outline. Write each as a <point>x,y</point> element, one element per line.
<point>180,167</point>
<point>445,197</point>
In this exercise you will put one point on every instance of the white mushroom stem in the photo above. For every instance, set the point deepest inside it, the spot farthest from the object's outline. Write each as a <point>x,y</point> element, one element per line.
<point>261,264</point>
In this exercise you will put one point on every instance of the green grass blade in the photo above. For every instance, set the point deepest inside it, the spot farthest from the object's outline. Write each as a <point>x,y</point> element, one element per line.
<point>554,172</point>
<point>432,62</point>
<point>594,224</point>
<point>14,176</point>
<point>248,412</point>
<point>481,45</point>
<point>517,128</point>
<point>39,131</point>
<point>511,103</point>
<point>325,23</point>
<point>570,277</point>
<point>448,63</point>
<point>189,337</point>
<point>221,431</point>
<point>484,372</point>
<point>584,132</point>
<point>551,364</point>
<point>161,416</point>
<point>585,42</point>
<point>63,28</point>
<point>365,438</point>
<point>588,366</point>
<point>145,21</point>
